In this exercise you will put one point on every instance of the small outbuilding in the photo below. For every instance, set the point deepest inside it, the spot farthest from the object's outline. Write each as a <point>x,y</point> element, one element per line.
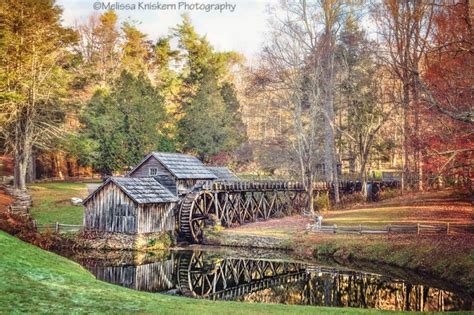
<point>179,173</point>
<point>223,174</point>
<point>130,205</point>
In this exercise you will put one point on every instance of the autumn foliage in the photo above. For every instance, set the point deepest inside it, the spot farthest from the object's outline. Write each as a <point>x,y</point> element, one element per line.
<point>447,138</point>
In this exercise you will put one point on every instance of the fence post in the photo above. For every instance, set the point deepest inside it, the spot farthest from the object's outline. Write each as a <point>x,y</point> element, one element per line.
<point>57,227</point>
<point>447,228</point>
<point>418,228</point>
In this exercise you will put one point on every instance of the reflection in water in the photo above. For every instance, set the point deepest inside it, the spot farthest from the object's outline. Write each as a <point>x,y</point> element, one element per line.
<point>212,276</point>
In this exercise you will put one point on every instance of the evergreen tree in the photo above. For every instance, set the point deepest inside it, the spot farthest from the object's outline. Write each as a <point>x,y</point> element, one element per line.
<point>135,50</point>
<point>235,126</point>
<point>209,109</point>
<point>125,124</point>
<point>203,129</point>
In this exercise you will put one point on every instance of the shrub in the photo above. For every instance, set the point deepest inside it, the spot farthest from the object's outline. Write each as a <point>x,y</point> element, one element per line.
<point>21,226</point>
<point>322,202</point>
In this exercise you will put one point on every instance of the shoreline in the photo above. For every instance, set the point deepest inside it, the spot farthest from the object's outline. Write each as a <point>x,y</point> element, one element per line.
<point>457,275</point>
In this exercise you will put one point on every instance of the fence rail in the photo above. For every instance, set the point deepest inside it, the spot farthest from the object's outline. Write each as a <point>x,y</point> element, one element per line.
<point>448,228</point>
<point>58,227</point>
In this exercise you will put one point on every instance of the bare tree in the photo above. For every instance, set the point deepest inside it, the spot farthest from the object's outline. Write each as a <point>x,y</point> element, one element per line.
<point>301,62</point>
<point>364,100</point>
<point>404,27</point>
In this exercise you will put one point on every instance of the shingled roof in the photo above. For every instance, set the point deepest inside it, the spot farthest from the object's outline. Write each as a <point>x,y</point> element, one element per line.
<point>223,174</point>
<point>141,190</point>
<point>182,166</point>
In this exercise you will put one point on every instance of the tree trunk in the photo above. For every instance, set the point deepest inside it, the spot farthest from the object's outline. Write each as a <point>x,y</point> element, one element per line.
<point>31,169</point>
<point>405,105</point>
<point>363,175</point>
<point>311,200</point>
<point>418,155</point>
<point>22,156</point>
<point>330,117</point>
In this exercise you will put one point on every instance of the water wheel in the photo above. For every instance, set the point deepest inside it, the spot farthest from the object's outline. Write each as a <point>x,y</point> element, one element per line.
<point>195,278</point>
<point>195,209</point>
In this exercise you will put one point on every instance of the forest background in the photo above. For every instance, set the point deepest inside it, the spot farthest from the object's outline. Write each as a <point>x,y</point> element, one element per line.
<point>323,101</point>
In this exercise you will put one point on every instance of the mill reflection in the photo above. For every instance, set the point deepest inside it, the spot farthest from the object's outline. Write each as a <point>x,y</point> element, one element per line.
<point>213,276</point>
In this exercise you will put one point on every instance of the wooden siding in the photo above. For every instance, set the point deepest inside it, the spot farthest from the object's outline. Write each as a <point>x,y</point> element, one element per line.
<point>152,277</point>
<point>111,210</point>
<point>143,170</point>
<point>155,277</point>
<point>155,217</point>
<point>168,182</point>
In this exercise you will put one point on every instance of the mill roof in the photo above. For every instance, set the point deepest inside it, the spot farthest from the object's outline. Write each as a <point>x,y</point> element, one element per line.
<point>182,166</point>
<point>141,190</point>
<point>223,173</point>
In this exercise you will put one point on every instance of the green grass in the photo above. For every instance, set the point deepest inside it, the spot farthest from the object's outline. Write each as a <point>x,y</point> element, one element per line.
<point>37,281</point>
<point>51,202</point>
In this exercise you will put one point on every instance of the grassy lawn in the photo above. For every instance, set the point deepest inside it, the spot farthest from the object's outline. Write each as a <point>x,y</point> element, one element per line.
<point>438,207</point>
<point>430,207</point>
<point>51,202</point>
<point>37,281</point>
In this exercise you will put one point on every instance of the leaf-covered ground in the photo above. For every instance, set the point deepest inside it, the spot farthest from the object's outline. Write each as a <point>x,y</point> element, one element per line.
<point>431,207</point>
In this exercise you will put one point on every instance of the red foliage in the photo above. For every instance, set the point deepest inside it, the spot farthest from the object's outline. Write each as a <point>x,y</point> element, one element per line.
<point>22,227</point>
<point>449,77</point>
<point>220,159</point>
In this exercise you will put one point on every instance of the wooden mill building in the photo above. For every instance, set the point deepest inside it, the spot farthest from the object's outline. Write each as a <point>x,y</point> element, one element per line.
<point>179,173</point>
<point>144,201</point>
<point>130,205</point>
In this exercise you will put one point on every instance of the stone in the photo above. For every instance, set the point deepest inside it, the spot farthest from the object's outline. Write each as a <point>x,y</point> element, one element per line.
<point>76,201</point>
<point>121,241</point>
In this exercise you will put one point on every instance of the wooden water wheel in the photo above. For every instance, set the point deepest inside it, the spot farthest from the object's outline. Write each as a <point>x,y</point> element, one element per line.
<point>195,209</point>
<point>195,278</point>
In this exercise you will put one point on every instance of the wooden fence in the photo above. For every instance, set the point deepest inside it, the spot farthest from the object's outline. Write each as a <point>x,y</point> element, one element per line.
<point>58,227</point>
<point>419,228</point>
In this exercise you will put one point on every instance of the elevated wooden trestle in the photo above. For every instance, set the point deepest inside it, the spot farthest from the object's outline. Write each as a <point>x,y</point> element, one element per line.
<point>235,203</point>
<point>239,202</point>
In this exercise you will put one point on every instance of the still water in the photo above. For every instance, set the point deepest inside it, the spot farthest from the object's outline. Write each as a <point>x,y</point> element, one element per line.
<point>269,278</point>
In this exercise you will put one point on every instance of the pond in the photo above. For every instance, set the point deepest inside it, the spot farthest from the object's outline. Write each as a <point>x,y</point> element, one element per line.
<point>269,277</point>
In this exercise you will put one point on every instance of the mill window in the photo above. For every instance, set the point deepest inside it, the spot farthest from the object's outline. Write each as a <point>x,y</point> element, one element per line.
<point>153,171</point>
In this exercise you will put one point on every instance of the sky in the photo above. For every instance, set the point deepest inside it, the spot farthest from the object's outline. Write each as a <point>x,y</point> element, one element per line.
<point>240,26</point>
